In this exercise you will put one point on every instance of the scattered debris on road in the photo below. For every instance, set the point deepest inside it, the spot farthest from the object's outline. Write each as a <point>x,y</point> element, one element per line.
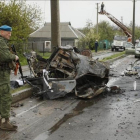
<point>134,68</point>
<point>17,105</point>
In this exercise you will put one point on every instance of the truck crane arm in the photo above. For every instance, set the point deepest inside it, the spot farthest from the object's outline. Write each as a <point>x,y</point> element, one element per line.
<point>117,22</point>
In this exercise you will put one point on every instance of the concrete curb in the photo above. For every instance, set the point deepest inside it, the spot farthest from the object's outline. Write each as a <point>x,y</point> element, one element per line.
<point>23,94</point>
<point>112,60</point>
<point>20,95</point>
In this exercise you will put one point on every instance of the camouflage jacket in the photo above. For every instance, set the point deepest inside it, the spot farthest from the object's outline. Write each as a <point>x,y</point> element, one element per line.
<point>6,57</point>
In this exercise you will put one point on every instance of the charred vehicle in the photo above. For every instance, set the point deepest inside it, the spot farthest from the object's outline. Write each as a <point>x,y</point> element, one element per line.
<point>67,71</point>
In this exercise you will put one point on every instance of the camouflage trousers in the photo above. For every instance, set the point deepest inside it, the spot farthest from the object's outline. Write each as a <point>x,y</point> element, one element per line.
<point>5,100</point>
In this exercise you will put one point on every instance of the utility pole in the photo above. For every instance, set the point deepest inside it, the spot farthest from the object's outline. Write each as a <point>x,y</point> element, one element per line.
<point>97,17</point>
<point>55,25</point>
<point>122,22</point>
<point>133,28</point>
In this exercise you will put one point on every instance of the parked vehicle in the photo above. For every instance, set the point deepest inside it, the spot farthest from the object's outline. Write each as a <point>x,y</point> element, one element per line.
<point>137,49</point>
<point>129,48</point>
<point>118,43</point>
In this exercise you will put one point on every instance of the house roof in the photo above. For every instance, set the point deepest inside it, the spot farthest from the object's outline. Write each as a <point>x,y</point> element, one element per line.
<point>66,31</point>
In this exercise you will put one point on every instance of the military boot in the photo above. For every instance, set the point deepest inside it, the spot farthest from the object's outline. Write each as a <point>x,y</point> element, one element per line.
<point>7,125</point>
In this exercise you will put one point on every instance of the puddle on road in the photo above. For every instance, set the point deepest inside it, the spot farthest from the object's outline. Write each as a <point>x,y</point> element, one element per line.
<point>76,111</point>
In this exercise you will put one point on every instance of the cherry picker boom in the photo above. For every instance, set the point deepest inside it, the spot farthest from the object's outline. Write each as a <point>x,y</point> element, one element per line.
<point>121,25</point>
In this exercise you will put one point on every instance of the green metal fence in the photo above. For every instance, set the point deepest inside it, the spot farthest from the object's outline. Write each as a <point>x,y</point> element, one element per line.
<point>101,44</point>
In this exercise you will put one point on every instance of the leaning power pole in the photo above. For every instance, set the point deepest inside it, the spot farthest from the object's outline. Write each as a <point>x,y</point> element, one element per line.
<point>55,25</point>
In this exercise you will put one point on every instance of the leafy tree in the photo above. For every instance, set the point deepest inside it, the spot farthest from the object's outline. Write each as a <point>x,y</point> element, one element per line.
<point>23,18</point>
<point>105,31</point>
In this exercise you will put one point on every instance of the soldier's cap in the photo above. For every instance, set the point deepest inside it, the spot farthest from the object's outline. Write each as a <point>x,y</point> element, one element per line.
<point>6,28</point>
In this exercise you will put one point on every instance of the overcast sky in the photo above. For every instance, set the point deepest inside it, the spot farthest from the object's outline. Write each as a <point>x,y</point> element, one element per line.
<point>78,12</point>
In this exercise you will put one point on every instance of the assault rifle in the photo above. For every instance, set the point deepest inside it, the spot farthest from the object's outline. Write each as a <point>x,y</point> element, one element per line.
<point>18,65</point>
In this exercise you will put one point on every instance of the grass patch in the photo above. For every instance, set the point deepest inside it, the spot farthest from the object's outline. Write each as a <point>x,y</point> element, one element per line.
<point>23,60</point>
<point>45,55</point>
<point>20,88</point>
<point>99,50</point>
<point>113,56</point>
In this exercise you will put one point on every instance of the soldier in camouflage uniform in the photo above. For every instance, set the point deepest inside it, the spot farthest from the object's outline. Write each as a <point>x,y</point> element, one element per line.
<point>6,57</point>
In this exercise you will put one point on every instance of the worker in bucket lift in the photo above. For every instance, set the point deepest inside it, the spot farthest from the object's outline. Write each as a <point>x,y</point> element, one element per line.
<point>102,7</point>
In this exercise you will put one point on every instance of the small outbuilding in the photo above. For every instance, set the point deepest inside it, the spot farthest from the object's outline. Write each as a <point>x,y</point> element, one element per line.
<point>41,38</point>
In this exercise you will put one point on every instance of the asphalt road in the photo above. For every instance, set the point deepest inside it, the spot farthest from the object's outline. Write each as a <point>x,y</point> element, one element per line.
<point>111,116</point>
<point>103,54</point>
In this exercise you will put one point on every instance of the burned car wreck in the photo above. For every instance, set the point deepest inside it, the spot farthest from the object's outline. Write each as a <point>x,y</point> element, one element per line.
<point>66,71</point>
